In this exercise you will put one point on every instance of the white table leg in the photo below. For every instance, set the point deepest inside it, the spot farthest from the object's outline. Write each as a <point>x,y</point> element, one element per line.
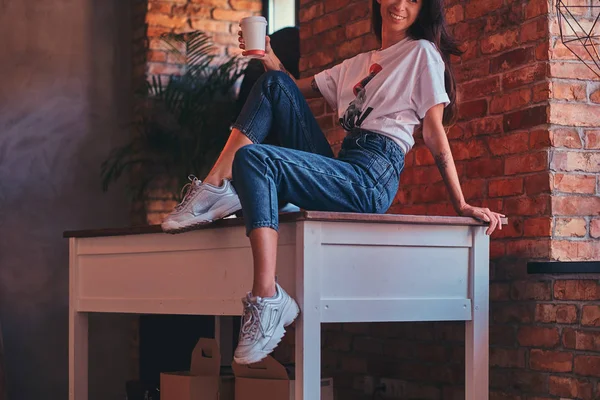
<point>78,356</point>
<point>477,330</point>
<point>78,333</point>
<point>308,329</point>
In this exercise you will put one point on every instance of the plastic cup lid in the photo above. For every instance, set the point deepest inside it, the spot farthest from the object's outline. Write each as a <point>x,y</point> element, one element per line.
<point>254,19</point>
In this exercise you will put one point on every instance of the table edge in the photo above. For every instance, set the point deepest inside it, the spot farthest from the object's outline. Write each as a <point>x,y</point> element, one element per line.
<point>292,217</point>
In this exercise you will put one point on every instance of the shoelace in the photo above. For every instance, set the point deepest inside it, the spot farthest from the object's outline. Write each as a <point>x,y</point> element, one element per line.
<point>251,321</point>
<point>191,187</point>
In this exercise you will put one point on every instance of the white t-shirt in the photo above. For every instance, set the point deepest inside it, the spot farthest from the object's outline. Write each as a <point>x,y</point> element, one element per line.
<point>387,91</point>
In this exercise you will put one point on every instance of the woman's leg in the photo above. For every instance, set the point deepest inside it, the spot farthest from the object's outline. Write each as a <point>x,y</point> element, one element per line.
<point>275,105</point>
<point>264,254</point>
<point>264,174</point>
<point>222,168</point>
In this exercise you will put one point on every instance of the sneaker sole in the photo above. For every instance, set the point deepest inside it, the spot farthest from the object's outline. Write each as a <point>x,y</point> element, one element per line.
<point>291,313</point>
<point>185,226</point>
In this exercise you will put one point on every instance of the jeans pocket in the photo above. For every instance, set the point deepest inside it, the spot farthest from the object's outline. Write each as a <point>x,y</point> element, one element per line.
<point>372,147</point>
<point>380,169</point>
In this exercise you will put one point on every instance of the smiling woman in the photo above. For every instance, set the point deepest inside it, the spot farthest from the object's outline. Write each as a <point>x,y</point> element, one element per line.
<point>380,97</point>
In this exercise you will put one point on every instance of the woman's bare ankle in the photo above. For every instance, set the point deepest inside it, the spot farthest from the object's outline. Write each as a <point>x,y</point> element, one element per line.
<point>216,177</point>
<point>264,291</point>
<point>213,180</point>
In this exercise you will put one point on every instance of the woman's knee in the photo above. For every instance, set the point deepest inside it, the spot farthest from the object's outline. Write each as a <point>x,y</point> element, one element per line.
<point>242,155</point>
<point>275,77</point>
<point>244,158</point>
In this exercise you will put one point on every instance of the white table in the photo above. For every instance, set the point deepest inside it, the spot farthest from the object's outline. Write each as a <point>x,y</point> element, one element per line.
<point>339,268</point>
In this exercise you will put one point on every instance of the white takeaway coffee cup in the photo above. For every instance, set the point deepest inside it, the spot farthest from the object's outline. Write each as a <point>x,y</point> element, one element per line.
<point>254,30</point>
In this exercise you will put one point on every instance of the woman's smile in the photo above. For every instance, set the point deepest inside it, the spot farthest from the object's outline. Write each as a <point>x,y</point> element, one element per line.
<point>397,17</point>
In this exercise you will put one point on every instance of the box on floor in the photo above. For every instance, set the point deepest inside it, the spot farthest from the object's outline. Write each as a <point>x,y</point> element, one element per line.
<point>270,380</point>
<point>203,381</point>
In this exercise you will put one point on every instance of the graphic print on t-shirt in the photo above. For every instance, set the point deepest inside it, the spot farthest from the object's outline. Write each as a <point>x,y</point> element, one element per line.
<point>354,115</point>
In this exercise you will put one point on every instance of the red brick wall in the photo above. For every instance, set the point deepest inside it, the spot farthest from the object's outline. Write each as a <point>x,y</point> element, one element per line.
<point>218,18</point>
<point>503,109</point>
<point>526,144</point>
<point>544,333</point>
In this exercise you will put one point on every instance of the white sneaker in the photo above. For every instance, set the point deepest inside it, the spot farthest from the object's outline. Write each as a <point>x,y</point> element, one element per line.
<point>263,325</point>
<point>202,204</point>
<point>289,208</point>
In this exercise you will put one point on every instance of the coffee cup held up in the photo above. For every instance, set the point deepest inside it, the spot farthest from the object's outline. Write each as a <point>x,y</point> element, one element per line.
<point>254,30</point>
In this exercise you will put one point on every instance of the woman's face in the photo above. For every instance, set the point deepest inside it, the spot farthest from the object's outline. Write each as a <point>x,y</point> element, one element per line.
<point>399,15</point>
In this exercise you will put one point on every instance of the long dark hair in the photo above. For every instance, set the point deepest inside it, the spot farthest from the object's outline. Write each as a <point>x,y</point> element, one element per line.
<point>431,25</point>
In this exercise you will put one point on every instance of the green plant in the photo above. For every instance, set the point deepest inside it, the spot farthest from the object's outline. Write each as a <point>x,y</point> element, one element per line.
<point>180,126</point>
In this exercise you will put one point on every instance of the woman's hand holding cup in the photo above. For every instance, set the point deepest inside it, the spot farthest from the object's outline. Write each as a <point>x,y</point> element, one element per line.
<point>268,49</point>
<point>256,43</point>
<point>254,46</point>
<point>254,30</point>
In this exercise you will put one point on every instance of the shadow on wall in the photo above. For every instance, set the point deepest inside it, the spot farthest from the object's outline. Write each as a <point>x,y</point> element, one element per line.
<point>66,82</point>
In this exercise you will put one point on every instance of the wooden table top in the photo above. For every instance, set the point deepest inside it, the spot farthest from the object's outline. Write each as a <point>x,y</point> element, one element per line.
<point>292,217</point>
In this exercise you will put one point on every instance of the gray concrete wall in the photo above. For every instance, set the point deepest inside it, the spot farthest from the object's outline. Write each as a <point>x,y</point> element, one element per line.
<point>64,96</point>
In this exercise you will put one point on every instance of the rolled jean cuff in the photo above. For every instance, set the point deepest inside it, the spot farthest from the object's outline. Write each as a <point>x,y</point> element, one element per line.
<point>261,224</point>
<point>246,133</point>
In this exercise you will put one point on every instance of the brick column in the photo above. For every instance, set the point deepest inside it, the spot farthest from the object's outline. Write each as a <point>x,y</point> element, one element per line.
<point>574,119</point>
<point>527,144</point>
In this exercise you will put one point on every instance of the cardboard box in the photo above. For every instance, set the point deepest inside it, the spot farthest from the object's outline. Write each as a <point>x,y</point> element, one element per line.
<point>203,381</point>
<point>270,380</point>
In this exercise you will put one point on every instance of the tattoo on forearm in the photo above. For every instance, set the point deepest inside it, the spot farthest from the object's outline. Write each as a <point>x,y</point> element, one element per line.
<point>282,68</point>
<point>313,85</point>
<point>442,162</point>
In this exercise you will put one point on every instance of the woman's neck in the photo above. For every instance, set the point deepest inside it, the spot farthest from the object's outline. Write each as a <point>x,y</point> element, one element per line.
<point>391,38</point>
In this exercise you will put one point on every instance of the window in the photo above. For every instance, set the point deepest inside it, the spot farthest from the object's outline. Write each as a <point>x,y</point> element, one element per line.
<point>280,14</point>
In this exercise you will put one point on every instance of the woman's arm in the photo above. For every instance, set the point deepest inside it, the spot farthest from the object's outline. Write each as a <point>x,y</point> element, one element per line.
<point>436,141</point>
<point>308,86</point>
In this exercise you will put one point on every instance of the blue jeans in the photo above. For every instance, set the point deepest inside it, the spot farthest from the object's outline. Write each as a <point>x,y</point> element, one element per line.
<point>302,170</point>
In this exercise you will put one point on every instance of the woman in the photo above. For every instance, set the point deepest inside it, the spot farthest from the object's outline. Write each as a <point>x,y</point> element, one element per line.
<point>381,96</point>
